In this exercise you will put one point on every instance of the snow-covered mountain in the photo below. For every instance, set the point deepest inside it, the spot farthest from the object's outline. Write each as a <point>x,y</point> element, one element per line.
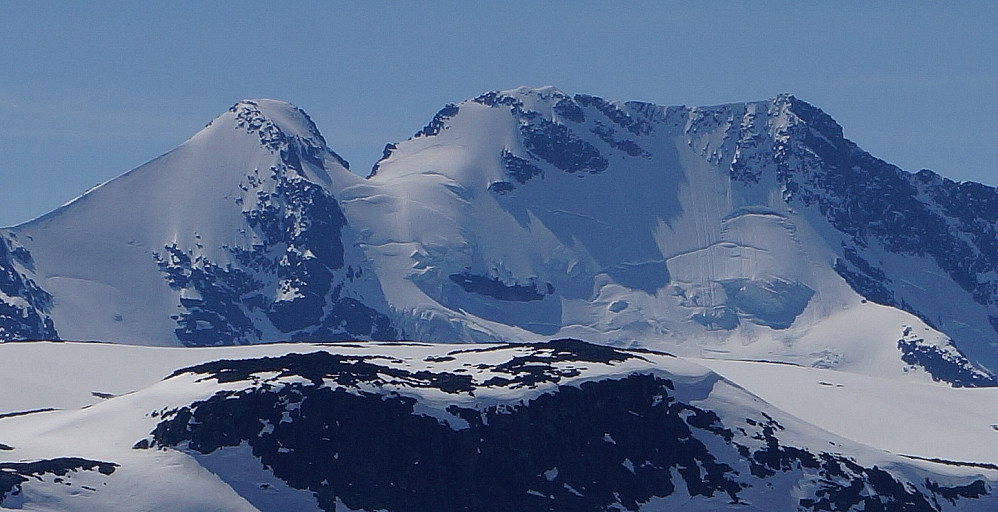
<point>233,237</point>
<point>561,425</point>
<point>741,231</point>
<point>748,230</point>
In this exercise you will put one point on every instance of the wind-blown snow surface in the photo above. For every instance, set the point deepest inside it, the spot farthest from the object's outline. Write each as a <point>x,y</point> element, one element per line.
<point>741,231</point>
<point>553,426</point>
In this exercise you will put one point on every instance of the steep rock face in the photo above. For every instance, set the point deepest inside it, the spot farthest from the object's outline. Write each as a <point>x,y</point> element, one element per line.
<point>906,239</point>
<point>234,237</point>
<point>24,306</point>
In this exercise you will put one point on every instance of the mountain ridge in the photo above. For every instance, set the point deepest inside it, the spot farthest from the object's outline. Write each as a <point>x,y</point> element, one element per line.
<point>504,219</point>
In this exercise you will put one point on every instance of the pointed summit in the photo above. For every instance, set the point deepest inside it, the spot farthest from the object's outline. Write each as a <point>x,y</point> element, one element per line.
<point>241,211</point>
<point>813,116</point>
<point>280,126</point>
<point>199,187</point>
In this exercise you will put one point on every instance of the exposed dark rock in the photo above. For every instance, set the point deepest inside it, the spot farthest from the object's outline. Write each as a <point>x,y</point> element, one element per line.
<point>615,114</point>
<point>494,99</point>
<point>956,224</point>
<point>215,316</point>
<point>24,413</point>
<point>951,494</point>
<point>18,321</point>
<point>865,279</point>
<point>289,275</point>
<point>385,154</point>
<point>372,452</point>
<point>318,366</point>
<point>519,169</point>
<point>501,187</point>
<point>437,123</point>
<point>250,118</point>
<point>627,146</point>
<point>557,145</point>
<point>13,474</point>
<point>350,319</point>
<point>495,288</point>
<point>536,367</point>
<point>569,110</point>
<point>942,365</point>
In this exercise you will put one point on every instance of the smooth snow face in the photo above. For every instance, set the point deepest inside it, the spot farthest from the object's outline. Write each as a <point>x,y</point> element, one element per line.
<point>436,380</point>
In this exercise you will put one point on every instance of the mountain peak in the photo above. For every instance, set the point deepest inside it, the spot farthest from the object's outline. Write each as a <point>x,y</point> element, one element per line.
<point>263,113</point>
<point>547,91</point>
<point>810,115</point>
<point>786,97</point>
<point>281,127</point>
<point>278,123</point>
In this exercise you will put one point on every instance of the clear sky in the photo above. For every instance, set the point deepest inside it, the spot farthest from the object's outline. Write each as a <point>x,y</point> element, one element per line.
<point>89,90</point>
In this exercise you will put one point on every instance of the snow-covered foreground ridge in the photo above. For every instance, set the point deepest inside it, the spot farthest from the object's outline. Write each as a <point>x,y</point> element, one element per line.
<point>561,425</point>
<point>742,231</point>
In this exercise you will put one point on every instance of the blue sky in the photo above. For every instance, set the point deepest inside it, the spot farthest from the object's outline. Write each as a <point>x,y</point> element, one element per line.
<point>89,90</point>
